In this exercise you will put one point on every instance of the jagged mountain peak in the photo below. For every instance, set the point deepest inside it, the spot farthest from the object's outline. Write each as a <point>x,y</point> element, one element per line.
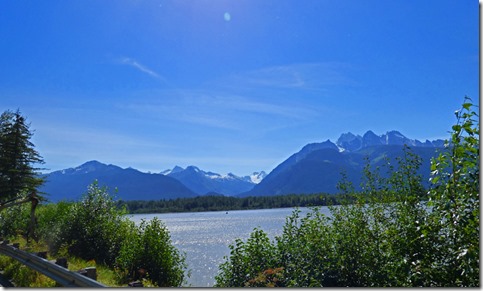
<point>348,136</point>
<point>352,142</point>
<point>316,167</point>
<point>349,141</point>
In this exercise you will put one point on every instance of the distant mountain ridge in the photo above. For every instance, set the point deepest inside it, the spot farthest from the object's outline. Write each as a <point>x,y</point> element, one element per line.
<point>202,182</point>
<point>350,142</point>
<point>317,167</point>
<point>70,184</point>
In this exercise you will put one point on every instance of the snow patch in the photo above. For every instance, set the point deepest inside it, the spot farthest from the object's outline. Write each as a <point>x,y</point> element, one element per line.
<point>257,177</point>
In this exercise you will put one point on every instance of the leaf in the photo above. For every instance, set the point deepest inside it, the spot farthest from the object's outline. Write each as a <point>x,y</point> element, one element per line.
<point>467,106</point>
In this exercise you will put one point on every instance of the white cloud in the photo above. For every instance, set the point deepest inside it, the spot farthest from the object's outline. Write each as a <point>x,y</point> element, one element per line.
<point>135,64</point>
<point>220,110</point>
<point>305,76</point>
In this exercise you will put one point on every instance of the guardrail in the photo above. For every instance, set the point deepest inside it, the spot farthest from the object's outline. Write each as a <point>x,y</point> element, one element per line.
<point>59,274</point>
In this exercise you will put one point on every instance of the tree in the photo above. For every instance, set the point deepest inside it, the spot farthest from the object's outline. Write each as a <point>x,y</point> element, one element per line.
<point>17,157</point>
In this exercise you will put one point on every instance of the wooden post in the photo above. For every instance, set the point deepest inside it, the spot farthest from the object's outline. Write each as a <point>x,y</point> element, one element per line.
<point>91,273</point>
<point>61,262</point>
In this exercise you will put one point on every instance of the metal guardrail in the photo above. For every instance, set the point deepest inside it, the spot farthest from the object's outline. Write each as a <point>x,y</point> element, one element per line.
<point>59,274</point>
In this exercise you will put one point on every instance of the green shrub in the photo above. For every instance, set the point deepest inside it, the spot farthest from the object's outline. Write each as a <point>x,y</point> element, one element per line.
<point>51,220</point>
<point>247,260</point>
<point>92,229</point>
<point>455,219</point>
<point>14,221</point>
<point>147,251</point>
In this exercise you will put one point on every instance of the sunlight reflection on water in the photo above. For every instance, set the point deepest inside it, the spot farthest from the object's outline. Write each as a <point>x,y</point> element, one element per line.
<point>205,236</point>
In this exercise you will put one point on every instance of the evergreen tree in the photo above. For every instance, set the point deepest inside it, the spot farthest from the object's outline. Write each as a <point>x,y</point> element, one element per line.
<point>17,157</point>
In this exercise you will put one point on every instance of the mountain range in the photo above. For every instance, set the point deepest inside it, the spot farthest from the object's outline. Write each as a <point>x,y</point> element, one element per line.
<point>131,184</point>
<point>315,168</point>
<point>202,182</point>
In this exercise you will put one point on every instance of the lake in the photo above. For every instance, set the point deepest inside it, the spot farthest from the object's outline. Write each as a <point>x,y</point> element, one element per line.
<point>205,236</point>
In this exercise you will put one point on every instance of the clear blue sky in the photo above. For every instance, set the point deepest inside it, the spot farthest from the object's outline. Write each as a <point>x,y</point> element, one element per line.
<point>230,85</point>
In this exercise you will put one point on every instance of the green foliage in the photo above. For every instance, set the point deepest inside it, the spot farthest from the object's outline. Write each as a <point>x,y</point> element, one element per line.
<point>387,235</point>
<point>22,275</point>
<point>301,244</point>
<point>17,157</point>
<point>455,203</point>
<point>268,278</point>
<point>52,221</point>
<point>14,221</point>
<point>93,228</point>
<point>147,251</point>
<point>247,260</point>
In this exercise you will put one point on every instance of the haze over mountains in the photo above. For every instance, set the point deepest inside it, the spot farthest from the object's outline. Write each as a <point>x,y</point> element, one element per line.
<point>315,168</point>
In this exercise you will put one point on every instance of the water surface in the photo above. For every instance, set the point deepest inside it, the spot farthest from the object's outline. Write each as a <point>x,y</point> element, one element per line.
<point>205,236</point>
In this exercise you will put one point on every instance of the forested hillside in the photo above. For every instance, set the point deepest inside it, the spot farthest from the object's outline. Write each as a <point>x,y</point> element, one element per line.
<point>223,203</point>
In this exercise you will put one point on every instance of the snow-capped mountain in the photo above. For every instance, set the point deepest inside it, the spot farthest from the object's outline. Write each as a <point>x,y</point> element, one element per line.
<point>202,182</point>
<point>351,142</point>
<point>316,167</point>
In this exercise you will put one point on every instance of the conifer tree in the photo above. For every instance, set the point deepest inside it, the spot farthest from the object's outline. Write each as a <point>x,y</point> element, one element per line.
<point>18,176</point>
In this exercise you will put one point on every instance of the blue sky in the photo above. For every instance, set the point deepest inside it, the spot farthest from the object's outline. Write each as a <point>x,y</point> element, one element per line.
<point>230,85</point>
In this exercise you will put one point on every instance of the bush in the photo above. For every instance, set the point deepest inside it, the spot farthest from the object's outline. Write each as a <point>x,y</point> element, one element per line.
<point>147,252</point>
<point>14,221</point>
<point>93,228</point>
<point>247,260</point>
<point>52,219</point>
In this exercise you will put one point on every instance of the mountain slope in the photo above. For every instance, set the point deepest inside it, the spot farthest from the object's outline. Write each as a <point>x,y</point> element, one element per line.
<point>71,183</point>
<point>317,167</point>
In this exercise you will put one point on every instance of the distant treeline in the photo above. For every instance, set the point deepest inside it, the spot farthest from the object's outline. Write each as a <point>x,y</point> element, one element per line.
<point>220,203</point>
